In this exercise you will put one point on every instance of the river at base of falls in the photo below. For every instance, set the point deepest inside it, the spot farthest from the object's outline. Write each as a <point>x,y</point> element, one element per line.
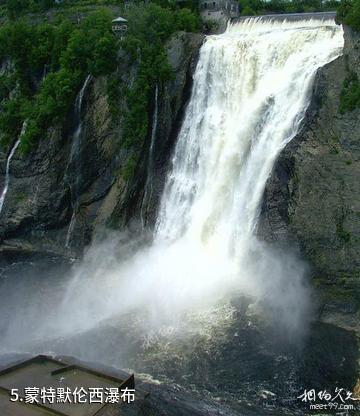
<point>237,365</point>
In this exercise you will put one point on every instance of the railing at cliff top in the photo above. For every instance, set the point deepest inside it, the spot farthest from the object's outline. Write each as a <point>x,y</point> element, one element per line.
<point>290,16</point>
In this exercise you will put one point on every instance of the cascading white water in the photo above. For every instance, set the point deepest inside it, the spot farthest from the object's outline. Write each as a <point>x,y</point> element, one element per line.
<point>70,229</point>
<point>78,105</point>
<point>7,171</point>
<point>251,89</point>
<point>252,86</point>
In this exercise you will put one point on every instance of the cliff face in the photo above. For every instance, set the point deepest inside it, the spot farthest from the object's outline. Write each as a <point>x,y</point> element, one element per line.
<point>313,196</point>
<point>85,171</point>
<point>139,205</point>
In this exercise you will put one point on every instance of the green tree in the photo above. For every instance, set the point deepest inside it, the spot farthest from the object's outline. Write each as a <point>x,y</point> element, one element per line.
<point>66,53</point>
<point>15,8</point>
<point>104,55</point>
<point>247,11</point>
<point>350,95</point>
<point>353,17</point>
<point>150,26</point>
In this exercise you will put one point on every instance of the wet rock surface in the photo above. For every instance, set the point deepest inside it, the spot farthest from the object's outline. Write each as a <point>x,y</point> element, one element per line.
<point>312,198</point>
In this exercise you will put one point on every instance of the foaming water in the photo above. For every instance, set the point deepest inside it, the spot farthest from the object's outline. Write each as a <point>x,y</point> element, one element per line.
<point>252,86</point>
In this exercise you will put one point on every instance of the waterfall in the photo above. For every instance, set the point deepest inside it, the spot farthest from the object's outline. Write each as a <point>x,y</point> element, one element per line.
<point>150,165</point>
<point>251,90</point>
<point>80,97</point>
<point>252,86</point>
<point>7,172</point>
<point>74,158</point>
<point>76,140</point>
<point>70,229</point>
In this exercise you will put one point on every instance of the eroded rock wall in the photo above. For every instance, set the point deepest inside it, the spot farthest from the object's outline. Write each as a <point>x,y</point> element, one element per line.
<point>313,196</point>
<point>86,173</point>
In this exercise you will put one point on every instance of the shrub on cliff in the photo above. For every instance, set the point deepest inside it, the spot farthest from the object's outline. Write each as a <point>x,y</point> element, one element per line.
<point>16,8</point>
<point>258,7</point>
<point>51,61</point>
<point>350,94</point>
<point>349,13</point>
<point>149,28</point>
<point>65,53</point>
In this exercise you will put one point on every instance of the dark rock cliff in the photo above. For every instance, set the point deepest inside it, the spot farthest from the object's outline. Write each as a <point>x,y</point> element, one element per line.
<point>172,100</point>
<point>312,197</point>
<point>83,172</point>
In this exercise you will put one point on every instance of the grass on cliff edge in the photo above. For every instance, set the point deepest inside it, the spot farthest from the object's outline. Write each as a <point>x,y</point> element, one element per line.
<point>348,13</point>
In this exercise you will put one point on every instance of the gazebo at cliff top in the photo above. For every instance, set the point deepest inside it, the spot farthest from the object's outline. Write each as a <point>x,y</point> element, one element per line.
<point>119,25</point>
